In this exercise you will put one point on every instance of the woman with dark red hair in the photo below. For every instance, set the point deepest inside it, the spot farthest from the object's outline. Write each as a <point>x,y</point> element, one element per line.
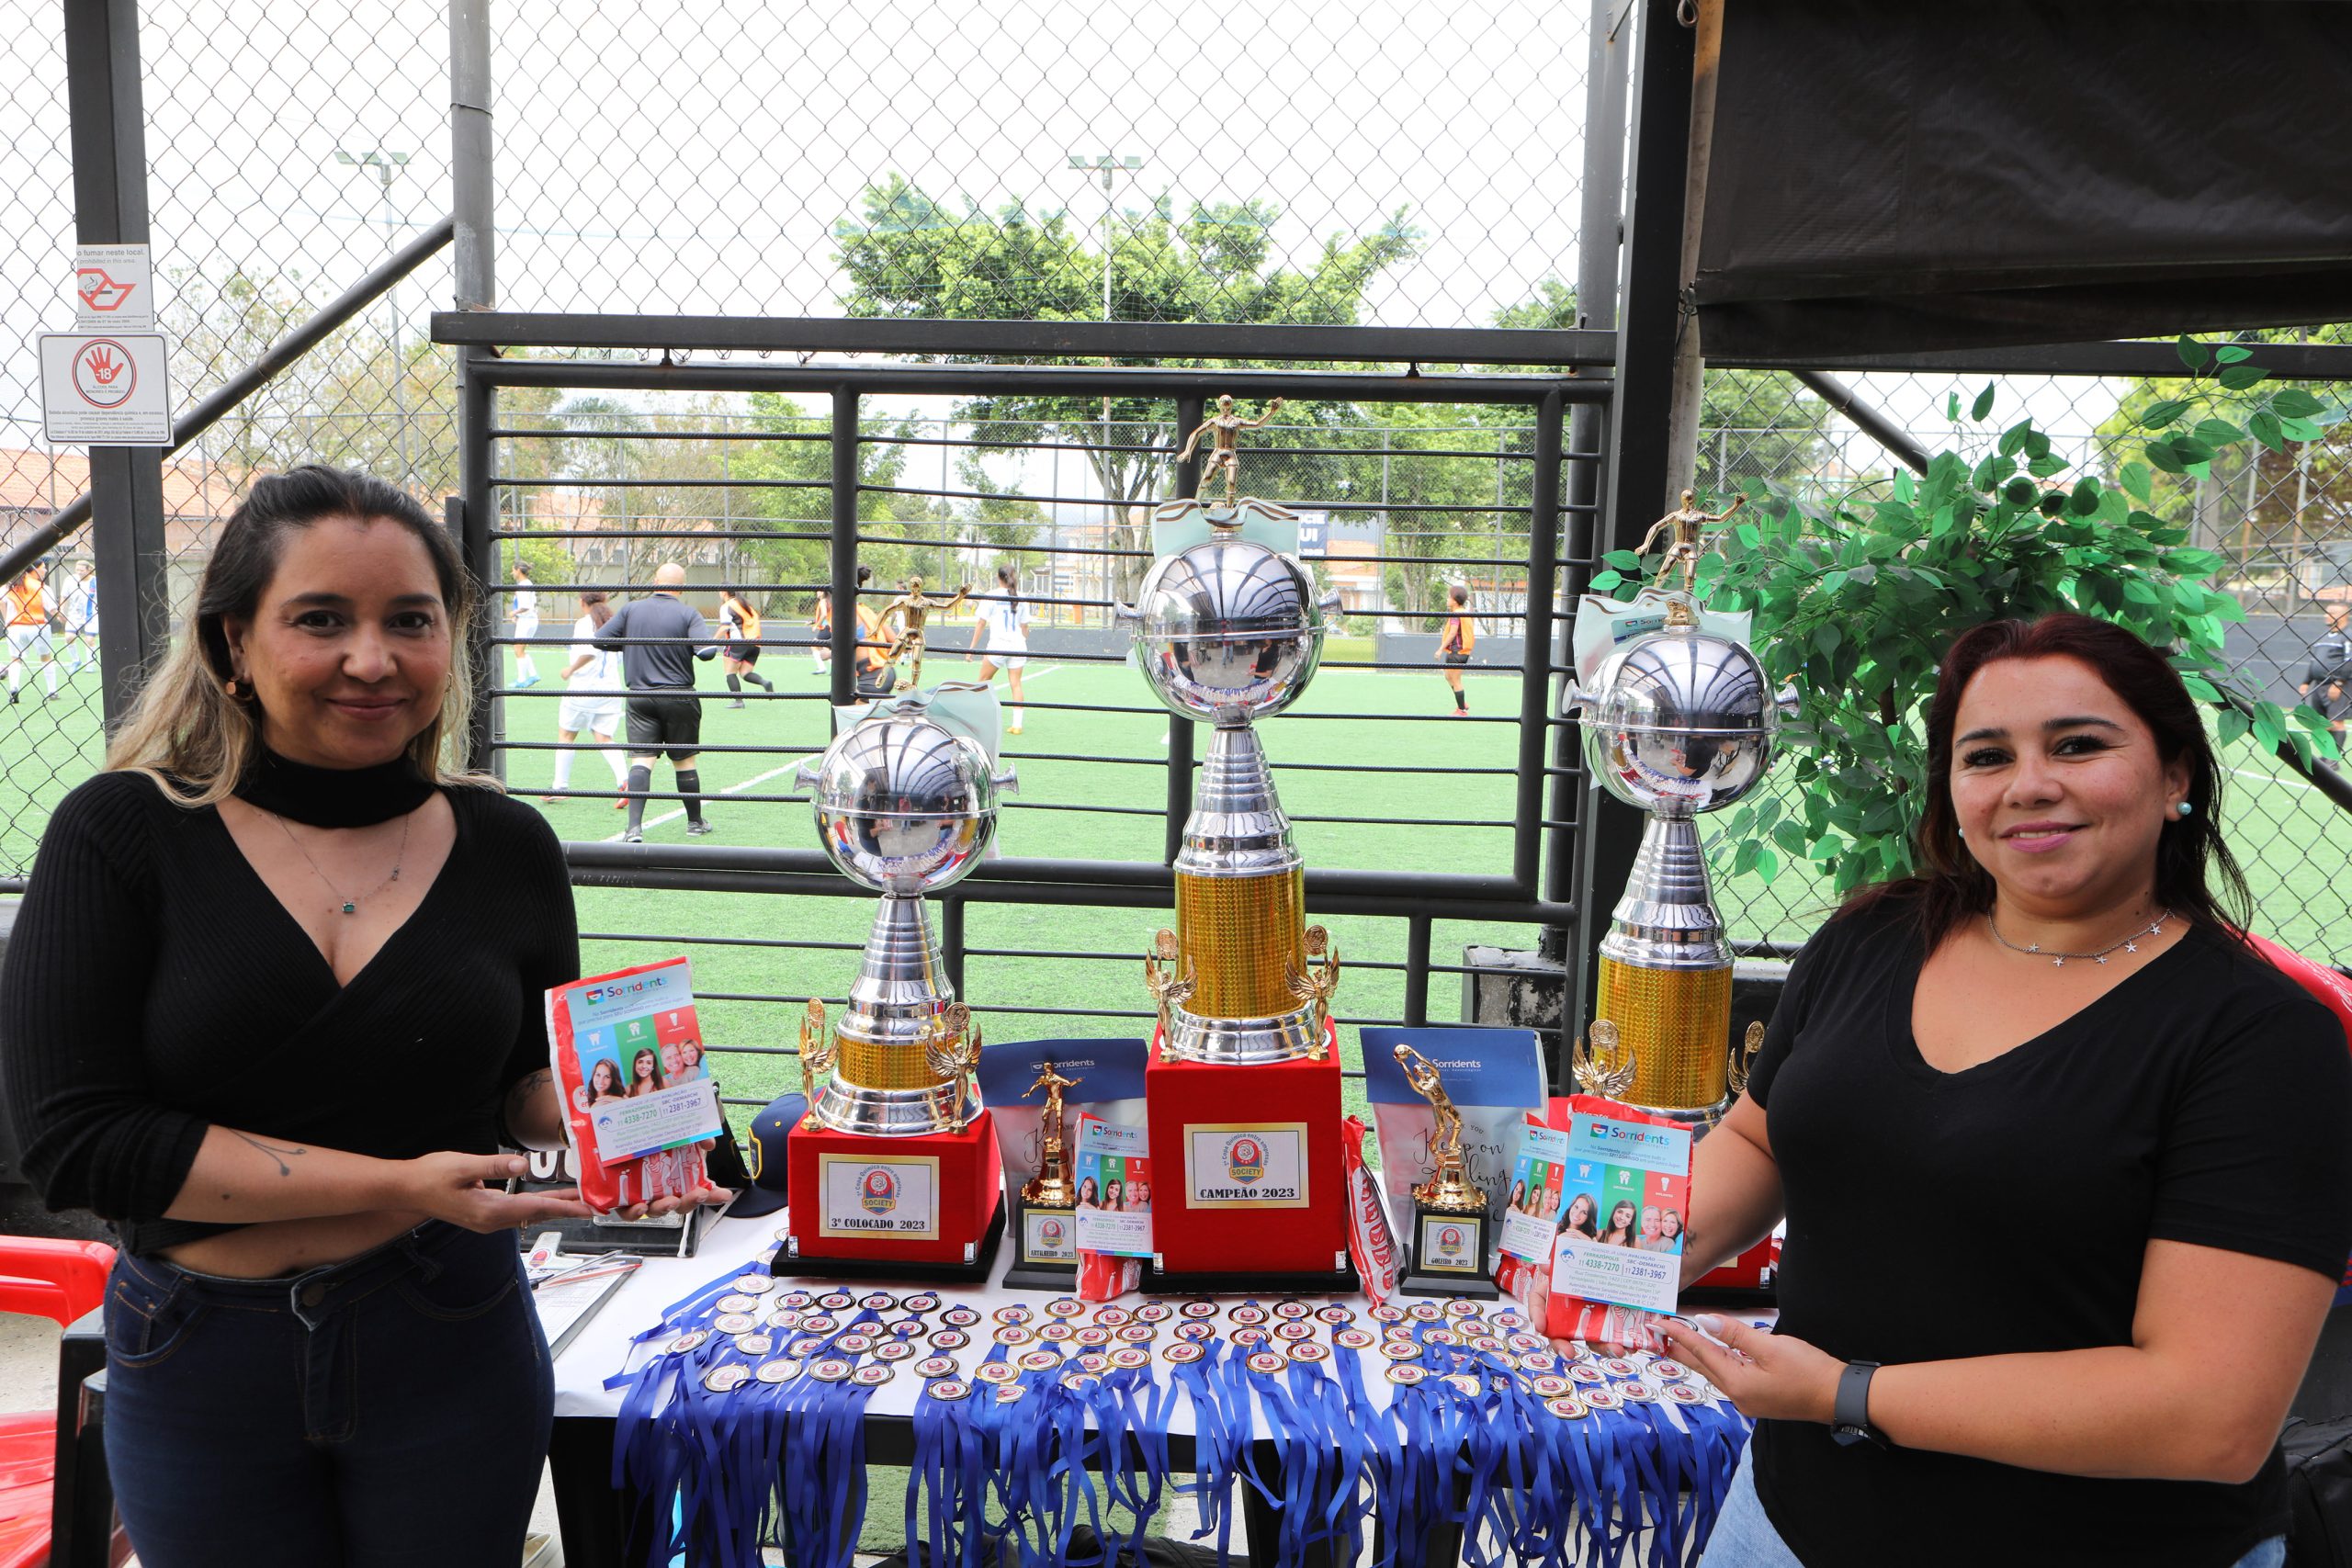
<point>2066,1164</point>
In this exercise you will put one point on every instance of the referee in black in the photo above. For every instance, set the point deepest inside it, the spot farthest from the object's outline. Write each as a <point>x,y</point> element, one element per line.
<point>658,637</point>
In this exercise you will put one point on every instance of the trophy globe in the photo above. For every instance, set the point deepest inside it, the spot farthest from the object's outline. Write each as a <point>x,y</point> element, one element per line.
<point>906,806</point>
<point>1677,722</point>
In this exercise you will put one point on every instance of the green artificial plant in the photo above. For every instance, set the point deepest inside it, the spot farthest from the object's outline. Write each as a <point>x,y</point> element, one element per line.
<point>1854,602</point>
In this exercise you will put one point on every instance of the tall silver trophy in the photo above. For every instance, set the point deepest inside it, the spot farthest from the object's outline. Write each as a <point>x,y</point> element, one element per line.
<point>1230,630</point>
<point>907,806</point>
<point>1677,722</point>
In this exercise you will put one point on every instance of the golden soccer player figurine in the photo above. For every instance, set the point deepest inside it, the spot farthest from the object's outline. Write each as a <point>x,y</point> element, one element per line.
<point>1222,428</point>
<point>1688,522</point>
<point>1051,1187</point>
<point>912,608</point>
<point>1446,1191</point>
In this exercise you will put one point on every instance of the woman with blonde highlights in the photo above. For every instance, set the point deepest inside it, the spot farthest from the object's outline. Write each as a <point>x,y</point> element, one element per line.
<point>282,888</point>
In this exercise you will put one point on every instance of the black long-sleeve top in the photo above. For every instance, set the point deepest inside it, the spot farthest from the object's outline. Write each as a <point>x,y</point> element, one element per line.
<point>658,666</point>
<point>154,986</point>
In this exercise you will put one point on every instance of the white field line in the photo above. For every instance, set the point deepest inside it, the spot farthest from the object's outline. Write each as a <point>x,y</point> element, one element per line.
<point>674,814</point>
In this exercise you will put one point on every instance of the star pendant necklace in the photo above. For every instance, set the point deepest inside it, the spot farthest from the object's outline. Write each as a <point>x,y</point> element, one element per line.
<point>2058,960</point>
<point>346,904</point>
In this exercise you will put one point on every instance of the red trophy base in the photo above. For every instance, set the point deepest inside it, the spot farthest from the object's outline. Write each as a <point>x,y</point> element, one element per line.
<point>923,1207</point>
<point>1246,1174</point>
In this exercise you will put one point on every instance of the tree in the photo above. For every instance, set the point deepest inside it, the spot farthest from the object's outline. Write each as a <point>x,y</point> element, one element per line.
<point>2258,505</point>
<point>795,501</point>
<point>911,255</point>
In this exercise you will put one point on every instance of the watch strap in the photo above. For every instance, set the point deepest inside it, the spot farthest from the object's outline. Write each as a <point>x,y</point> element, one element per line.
<point>1849,1420</point>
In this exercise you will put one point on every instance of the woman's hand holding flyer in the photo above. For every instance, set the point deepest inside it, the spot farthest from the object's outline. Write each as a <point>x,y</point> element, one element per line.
<point>640,1106</point>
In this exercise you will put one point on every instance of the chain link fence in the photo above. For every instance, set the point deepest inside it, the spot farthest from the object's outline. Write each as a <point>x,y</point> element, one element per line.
<point>2282,524</point>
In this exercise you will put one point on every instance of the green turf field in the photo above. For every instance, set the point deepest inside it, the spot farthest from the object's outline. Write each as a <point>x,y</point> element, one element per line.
<point>2294,846</point>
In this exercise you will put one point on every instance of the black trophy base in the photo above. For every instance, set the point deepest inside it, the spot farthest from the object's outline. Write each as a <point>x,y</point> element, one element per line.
<point>1030,1272</point>
<point>792,1265</point>
<point>1341,1281</point>
<point>1459,1239</point>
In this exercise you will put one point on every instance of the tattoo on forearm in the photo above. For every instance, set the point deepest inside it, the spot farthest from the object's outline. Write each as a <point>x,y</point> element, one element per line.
<point>518,1098</point>
<point>280,1155</point>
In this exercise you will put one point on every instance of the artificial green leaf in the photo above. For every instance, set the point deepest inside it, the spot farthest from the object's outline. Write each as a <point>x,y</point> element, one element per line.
<point>2161,454</point>
<point>2218,433</point>
<point>2293,402</point>
<point>1826,636</point>
<point>1602,582</point>
<point>2301,429</point>
<point>2014,438</point>
<point>2049,463</point>
<point>1952,408</point>
<point>2084,503</point>
<point>2232,725</point>
<point>2189,449</point>
<point>2238,377</point>
<point>2194,354</point>
<point>1767,867</point>
<point>2231,353</point>
<point>2137,479</point>
<point>2021,492</point>
<point>2264,427</point>
<point>1984,404</point>
<point>1749,536</point>
<point>1743,860</point>
<point>1623,560</point>
<point>2155,416</point>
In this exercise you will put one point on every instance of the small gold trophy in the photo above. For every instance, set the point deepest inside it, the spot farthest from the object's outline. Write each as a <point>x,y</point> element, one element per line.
<point>1045,1209</point>
<point>1448,1250</point>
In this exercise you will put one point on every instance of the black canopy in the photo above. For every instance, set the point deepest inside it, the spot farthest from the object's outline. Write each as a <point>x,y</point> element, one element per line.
<point>1933,176</point>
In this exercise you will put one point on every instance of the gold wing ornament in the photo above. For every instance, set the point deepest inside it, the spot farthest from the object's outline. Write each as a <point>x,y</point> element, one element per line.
<point>1316,986</point>
<point>1745,1058</point>
<point>817,1051</point>
<point>1603,1064</point>
<point>1169,987</point>
<point>953,1049</point>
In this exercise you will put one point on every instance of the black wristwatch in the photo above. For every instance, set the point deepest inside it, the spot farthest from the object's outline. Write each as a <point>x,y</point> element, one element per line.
<point>1849,1417</point>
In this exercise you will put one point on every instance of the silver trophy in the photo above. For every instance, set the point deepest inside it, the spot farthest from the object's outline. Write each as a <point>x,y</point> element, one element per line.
<point>1677,723</point>
<point>906,806</point>
<point>1230,630</point>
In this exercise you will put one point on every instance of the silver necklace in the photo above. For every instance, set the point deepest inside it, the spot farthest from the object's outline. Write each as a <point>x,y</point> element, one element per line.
<point>346,904</point>
<point>2058,960</point>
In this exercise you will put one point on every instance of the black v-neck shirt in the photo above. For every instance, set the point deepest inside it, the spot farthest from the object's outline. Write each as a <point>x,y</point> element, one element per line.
<point>156,986</point>
<point>2006,1208</point>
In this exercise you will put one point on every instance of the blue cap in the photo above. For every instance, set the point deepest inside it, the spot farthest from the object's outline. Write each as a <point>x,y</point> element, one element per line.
<point>765,1158</point>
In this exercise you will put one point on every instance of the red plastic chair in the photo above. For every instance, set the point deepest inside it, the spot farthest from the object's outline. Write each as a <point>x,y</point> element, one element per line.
<point>61,1280</point>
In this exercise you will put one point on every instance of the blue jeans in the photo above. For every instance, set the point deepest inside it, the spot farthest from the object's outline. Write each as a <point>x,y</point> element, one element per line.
<point>1745,1537</point>
<point>389,1410</point>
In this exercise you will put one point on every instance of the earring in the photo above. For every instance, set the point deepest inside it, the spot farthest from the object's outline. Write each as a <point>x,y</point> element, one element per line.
<point>2186,809</point>
<point>230,688</point>
<point>1961,831</point>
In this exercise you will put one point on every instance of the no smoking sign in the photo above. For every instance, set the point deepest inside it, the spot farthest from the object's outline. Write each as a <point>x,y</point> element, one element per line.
<point>104,390</point>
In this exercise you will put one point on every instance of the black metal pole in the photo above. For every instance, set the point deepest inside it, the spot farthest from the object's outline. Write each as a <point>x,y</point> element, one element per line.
<point>1535,657</point>
<point>473,513</point>
<point>843,547</point>
<point>110,142</point>
<point>1665,59</point>
<point>1868,419</point>
<point>1191,409</point>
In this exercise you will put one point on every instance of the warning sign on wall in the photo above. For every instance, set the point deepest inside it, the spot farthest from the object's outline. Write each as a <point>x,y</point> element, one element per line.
<point>104,390</point>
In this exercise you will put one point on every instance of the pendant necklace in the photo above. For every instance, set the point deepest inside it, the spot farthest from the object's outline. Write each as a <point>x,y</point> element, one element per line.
<point>2058,960</point>
<point>348,904</point>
